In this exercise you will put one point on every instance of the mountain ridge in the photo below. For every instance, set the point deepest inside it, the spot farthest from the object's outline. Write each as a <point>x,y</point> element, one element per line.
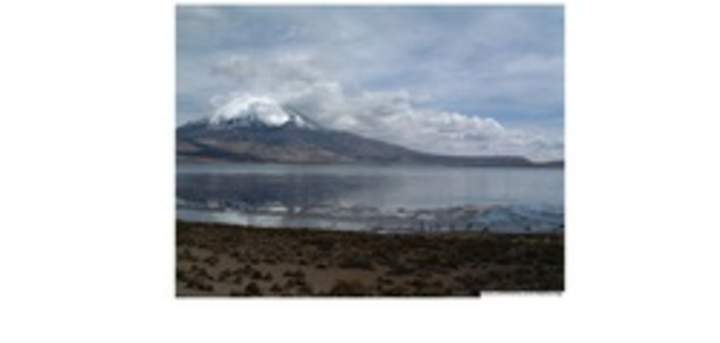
<point>300,140</point>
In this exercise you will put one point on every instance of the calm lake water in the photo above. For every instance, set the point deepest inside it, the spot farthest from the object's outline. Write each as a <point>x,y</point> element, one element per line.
<point>371,197</point>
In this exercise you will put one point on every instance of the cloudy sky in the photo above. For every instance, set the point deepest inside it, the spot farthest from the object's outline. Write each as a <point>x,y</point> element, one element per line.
<point>455,80</point>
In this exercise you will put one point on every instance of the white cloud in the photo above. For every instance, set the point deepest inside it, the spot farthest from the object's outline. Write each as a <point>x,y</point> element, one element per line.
<point>303,82</point>
<point>265,109</point>
<point>463,80</point>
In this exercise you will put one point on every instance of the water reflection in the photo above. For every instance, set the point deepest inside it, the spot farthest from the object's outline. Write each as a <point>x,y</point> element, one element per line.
<point>364,197</point>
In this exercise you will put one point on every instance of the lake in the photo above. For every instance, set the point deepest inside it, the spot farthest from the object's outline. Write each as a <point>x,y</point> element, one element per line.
<point>380,198</point>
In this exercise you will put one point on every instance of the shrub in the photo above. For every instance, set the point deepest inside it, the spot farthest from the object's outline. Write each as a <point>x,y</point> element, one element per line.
<point>252,289</point>
<point>298,274</point>
<point>399,269</point>
<point>321,244</point>
<point>180,275</point>
<point>305,289</point>
<point>211,260</point>
<point>224,275</point>
<point>196,284</point>
<point>269,261</point>
<point>384,281</point>
<point>356,262</point>
<point>186,255</point>
<point>417,283</point>
<point>398,290</point>
<point>349,287</point>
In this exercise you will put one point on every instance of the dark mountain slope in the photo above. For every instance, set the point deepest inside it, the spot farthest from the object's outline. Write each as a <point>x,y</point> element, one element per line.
<point>303,141</point>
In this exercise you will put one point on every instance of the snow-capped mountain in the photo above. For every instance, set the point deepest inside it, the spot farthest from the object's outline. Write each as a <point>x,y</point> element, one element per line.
<point>258,112</point>
<point>259,129</point>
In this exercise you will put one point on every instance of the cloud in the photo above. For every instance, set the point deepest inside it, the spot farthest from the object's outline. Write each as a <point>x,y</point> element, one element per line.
<point>455,80</point>
<point>390,116</point>
<point>265,109</point>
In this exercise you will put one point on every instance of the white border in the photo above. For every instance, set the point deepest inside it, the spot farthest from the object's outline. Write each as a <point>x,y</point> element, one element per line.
<point>87,174</point>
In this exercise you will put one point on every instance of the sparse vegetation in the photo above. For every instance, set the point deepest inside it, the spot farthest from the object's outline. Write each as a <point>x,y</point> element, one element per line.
<point>356,262</point>
<point>213,257</point>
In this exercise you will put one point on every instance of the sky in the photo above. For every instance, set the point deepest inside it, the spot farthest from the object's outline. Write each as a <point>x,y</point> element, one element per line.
<point>471,80</point>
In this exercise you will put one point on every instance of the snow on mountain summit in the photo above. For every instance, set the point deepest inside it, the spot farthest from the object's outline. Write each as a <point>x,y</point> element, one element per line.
<point>262,109</point>
<point>252,110</point>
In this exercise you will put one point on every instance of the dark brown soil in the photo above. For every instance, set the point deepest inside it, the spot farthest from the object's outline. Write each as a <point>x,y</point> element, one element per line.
<point>225,260</point>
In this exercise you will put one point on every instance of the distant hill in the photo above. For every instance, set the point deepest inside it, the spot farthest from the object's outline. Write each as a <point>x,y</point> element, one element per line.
<point>297,139</point>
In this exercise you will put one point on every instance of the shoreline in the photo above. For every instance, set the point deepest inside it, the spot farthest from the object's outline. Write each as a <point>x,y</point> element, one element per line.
<point>230,260</point>
<point>495,219</point>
